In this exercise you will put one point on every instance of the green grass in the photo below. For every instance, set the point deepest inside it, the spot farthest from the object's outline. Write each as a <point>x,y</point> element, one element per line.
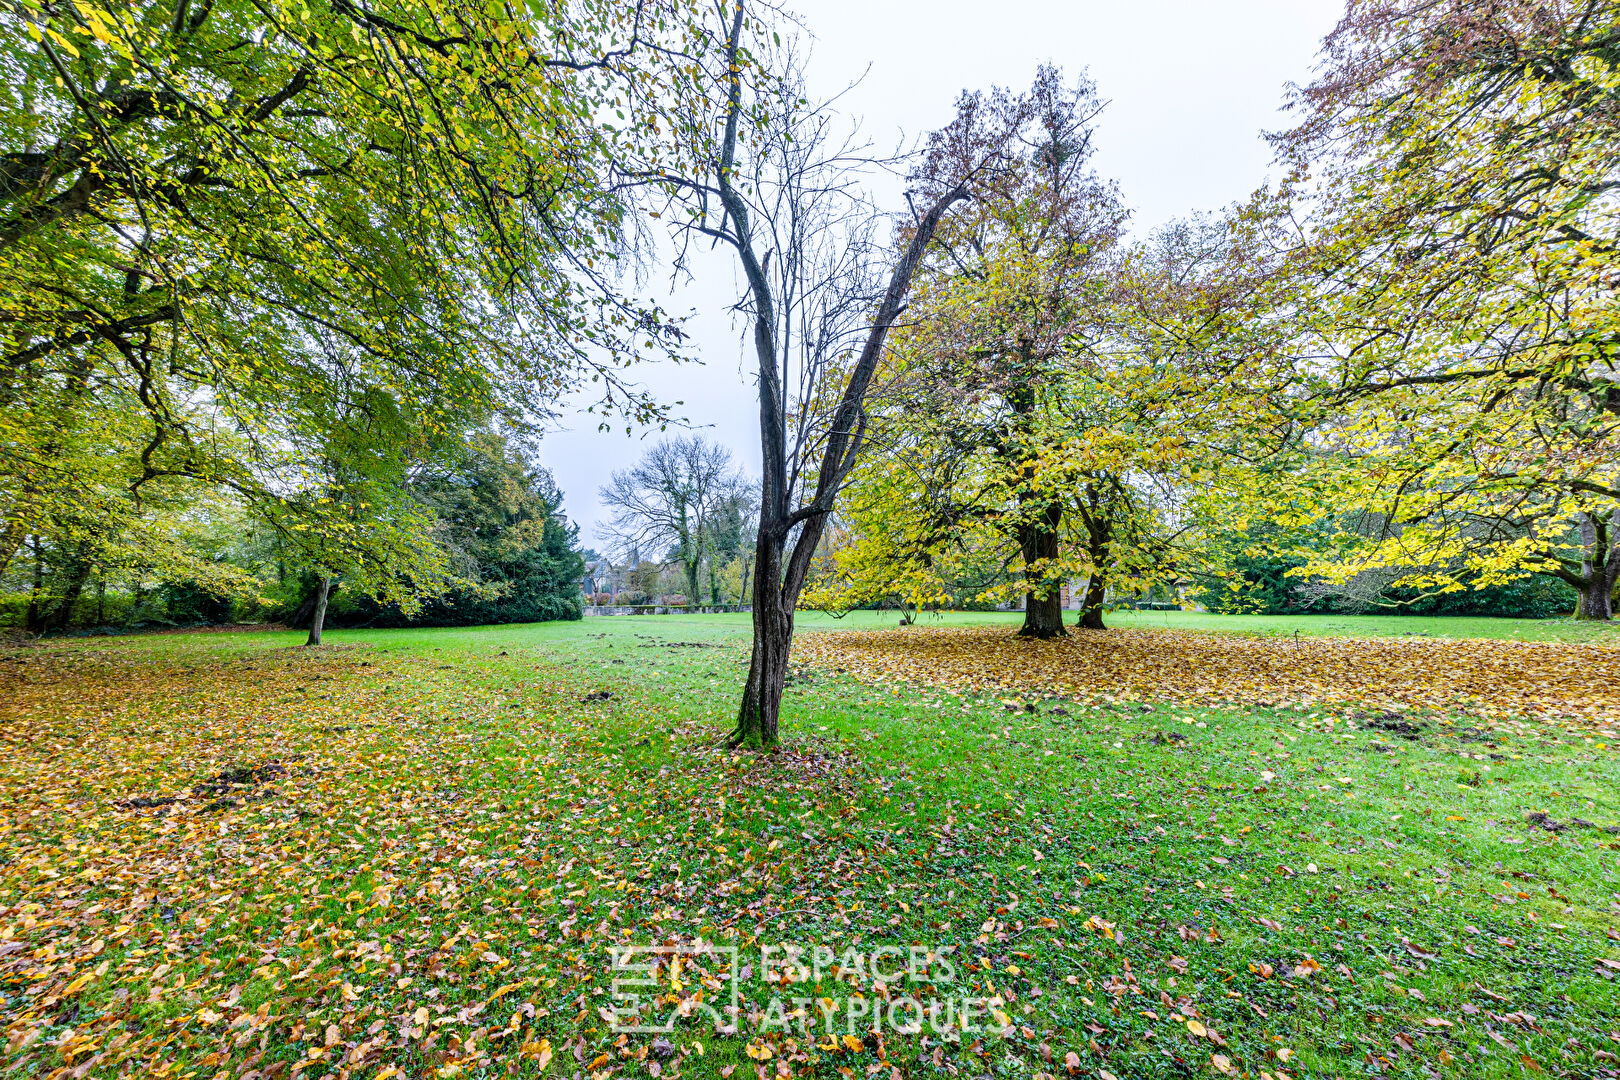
<point>463,767</point>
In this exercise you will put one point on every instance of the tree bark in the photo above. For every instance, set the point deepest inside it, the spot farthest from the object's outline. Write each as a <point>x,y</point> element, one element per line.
<point>31,621</point>
<point>694,593</point>
<point>1596,602</point>
<point>1091,608</point>
<point>1040,517</point>
<point>78,570</point>
<point>62,613</point>
<point>760,712</point>
<point>317,620</point>
<point>1099,534</point>
<point>779,575</point>
<point>1600,570</point>
<point>1043,601</point>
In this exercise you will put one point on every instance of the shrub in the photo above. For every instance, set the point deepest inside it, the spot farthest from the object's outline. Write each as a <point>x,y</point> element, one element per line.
<point>1538,597</point>
<point>189,604</point>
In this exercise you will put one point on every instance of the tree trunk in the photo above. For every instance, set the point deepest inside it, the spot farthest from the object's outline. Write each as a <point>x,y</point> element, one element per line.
<point>779,577</point>
<point>31,621</point>
<point>78,569</point>
<point>317,620</point>
<point>1600,569</point>
<point>62,614</point>
<point>1099,534</point>
<point>1596,602</point>
<point>694,592</point>
<point>1043,601</point>
<point>1091,609</point>
<point>761,708</point>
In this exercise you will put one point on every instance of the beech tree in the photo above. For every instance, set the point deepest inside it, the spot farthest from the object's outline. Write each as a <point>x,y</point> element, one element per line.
<point>1052,415</point>
<point>1122,448</point>
<point>233,234</point>
<point>1454,293</point>
<point>1012,287</point>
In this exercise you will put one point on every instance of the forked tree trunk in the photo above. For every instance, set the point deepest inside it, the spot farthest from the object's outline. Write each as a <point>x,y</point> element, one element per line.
<point>779,575</point>
<point>317,620</point>
<point>760,712</point>
<point>1043,600</point>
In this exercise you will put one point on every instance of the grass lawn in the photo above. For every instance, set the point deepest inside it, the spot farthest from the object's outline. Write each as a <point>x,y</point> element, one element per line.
<point>410,852</point>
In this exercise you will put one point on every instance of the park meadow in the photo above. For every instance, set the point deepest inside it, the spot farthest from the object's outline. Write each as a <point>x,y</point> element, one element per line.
<point>689,540</point>
<point>413,853</point>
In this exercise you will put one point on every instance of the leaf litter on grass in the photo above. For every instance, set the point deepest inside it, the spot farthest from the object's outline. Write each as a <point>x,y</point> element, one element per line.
<point>282,864</point>
<point>1490,679</point>
<point>432,882</point>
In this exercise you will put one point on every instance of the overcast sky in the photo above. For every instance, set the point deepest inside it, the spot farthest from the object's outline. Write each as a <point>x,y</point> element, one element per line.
<point>1190,86</point>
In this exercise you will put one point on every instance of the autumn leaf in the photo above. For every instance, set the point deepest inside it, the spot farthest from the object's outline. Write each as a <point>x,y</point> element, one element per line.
<point>1495,678</point>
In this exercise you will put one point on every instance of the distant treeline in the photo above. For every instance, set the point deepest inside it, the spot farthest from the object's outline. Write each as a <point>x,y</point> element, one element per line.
<point>515,559</point>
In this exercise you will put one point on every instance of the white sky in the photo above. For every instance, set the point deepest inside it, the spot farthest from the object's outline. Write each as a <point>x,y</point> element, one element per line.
<point>1190,86</point>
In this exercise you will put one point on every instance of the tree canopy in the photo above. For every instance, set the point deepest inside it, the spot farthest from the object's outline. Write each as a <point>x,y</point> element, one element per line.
<point>291,250</point>
<point>1452,293</point>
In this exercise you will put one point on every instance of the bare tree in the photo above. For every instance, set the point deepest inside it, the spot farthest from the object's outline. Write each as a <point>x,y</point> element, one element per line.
<point>673,496</point>
<point>780,191</point>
